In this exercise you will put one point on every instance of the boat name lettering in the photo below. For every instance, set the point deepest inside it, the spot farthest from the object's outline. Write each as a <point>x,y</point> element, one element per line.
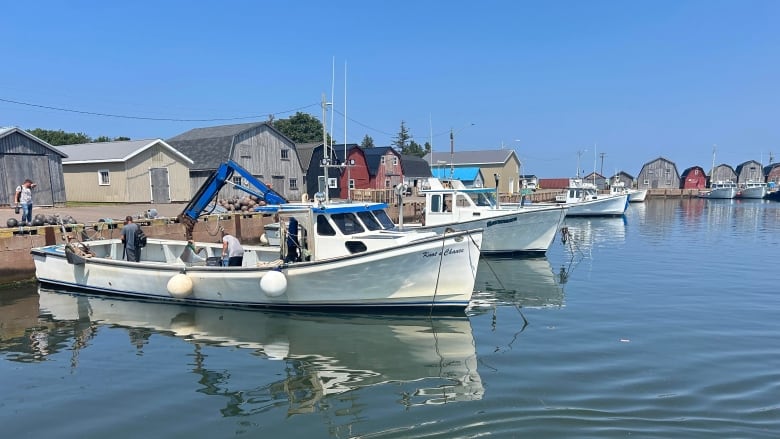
<point>449,251</point>
<point>501,221</point>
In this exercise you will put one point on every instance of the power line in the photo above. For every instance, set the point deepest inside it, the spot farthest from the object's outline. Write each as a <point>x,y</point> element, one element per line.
<point>158,119</point>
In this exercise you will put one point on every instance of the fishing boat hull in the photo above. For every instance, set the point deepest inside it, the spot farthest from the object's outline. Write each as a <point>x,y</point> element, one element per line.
<point>514,230</point>
<point>720,194</point>
<point>637,195</point>
<point>434,272</point>
<point>609,205</point>
<point>754,192</point>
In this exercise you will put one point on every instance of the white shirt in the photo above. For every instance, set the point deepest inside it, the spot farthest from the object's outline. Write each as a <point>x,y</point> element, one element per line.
<point>26,194</point>
<point>234,247</point>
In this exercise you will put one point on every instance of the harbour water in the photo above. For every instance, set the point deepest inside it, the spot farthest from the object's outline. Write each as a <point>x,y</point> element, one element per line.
<point>660,324</point>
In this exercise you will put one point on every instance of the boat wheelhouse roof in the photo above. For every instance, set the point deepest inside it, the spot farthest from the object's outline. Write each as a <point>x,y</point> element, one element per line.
<point>322,208</point>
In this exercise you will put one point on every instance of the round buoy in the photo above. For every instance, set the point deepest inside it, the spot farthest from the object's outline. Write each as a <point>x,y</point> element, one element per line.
<point>12,222</point>
<point>180,286</point>
<point>273,283</point>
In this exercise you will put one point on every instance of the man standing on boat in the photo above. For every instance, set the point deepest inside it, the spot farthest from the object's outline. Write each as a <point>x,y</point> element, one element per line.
<point>231,248</point>
<point>129,232</point>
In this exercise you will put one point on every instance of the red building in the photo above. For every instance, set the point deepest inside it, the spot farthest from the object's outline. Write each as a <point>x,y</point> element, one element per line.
<point>356,175</point>
<point>693,178</point>
<point>384,167</point>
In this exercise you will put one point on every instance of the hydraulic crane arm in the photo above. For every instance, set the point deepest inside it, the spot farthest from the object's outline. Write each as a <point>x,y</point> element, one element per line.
<point>214,184</point>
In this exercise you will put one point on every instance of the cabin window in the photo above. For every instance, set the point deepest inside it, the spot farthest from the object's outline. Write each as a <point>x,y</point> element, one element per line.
<point>347,223</point>
<point>384,219</point>
<point>369,220</point>
<point>461,201</point>
<point>355,247</point>
<point>104,178</point>
<point>323,226</point>
<point>436,203</point>
<point>294,184</point>
<point>352,183</point>
<point>285,154</point>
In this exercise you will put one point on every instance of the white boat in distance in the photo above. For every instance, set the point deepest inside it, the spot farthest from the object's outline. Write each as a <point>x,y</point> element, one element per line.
<point>752,189</point>
<point>634,195</point>
<point>506,229</point>
<point>723,190</point>
<point>583,199</point>
<point>438,352</point>
<point>333,255</point>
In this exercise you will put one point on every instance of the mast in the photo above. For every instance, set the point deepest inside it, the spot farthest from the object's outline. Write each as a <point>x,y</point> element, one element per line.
<point>325,153</point>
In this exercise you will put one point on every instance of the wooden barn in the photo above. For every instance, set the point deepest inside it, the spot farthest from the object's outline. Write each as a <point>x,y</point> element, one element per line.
<point>750,170</point>
<point>622,177</point>
<point>357,175</point>
<point>597,179</point>
<point>660,173</point>
<point>723,172</point>
<point>133,171</point>
<point>24,156</point>
<point>497,161</point>
<point>415,170</point>
<point>258,147</point>
<point>772,173</point>
<point>693,178</point>
<point>384,167</point>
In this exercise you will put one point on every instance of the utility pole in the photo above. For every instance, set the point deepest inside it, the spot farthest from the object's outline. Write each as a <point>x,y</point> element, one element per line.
<point>602,154</point>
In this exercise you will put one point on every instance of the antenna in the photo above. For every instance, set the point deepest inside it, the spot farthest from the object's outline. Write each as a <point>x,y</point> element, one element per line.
<point>349,169</point>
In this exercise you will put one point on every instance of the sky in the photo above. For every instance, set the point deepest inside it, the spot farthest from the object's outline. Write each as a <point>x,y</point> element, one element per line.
<point>608,85</point>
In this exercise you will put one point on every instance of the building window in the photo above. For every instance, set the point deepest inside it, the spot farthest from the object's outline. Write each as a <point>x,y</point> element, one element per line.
<point>668,182</point>
<point>387,183</point>
<point>352,183</point>
<point>650,171</point>
<point>333,183</point>
<point>395,161</point>
<point>382,160</point>
<point>285,154</point>
<point>243,151</point>
<point>647,183</point>
<point>237,180</point>
<point>294,184</point>
<point>104,179</point>
<point>668,171</point>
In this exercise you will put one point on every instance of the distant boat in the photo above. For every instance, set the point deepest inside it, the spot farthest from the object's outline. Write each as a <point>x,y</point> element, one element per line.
<point>753,189</point>
<point>634,195</point>
<point>723,190</point>
<point>583,199</point>
<point>773,195</point>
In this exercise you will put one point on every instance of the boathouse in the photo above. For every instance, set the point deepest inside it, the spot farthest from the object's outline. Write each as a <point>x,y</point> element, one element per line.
<point>503,162</point>
<point>660,173</point>
<point>384,167</point>
<point>693,178</point>
<point>722,172</point>
<point>23,156</point>
<point>622,177</point>
<point>134,171</point>
<point>416,171</point>
<point>258,147</point>
<point>750,170</point>
<point>772,173</point>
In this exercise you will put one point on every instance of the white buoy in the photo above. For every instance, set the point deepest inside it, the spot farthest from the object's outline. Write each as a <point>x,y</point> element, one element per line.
<point>180,286</point>
<point>273,283</point>
<point>263,239</point>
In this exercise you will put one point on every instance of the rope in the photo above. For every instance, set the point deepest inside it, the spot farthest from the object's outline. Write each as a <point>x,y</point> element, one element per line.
<point>438,274</point>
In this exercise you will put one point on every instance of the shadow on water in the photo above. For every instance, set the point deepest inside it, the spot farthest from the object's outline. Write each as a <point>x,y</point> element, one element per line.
<point>324,355</point>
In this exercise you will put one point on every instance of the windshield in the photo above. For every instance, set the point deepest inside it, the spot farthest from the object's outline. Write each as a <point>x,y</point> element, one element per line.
<point>483,198</point>
<point>369,220</point>
<point>385,220</point>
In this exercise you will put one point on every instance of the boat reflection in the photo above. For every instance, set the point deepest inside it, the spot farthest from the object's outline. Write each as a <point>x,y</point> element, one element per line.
<point>525,282</point>
<point>582,235</point>
<point>325,354</point>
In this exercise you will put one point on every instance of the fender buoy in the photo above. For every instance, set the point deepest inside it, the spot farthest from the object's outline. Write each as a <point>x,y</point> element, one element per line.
<point>273,283</point>
<point>180,286</point>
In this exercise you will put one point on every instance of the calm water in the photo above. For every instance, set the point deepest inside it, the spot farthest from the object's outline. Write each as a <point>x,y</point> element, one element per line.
<point>663,324</point>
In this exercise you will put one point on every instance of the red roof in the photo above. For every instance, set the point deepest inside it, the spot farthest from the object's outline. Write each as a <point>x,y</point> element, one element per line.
<point>553,183</point>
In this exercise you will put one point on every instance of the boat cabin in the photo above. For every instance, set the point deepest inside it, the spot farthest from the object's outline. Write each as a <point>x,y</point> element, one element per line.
<point>451,201</point>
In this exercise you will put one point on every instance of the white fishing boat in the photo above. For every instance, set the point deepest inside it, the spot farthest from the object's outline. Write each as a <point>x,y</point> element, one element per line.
<point>722,190</point>
<point>634,195</point>
<point>753,190</point>
<point>506,228</point>
<point>438,352</point>
<point>333,255</point>
<point>583,199</point>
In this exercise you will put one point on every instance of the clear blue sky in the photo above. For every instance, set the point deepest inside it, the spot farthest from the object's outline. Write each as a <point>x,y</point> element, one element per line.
<point>632,79</point>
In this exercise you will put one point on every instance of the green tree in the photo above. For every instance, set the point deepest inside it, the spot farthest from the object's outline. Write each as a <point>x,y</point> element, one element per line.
<point>121,139</point>
<point>102,139</point>
<point>401,140</point>
<point>414,148</point>
<point>59,137</point>
<point>301,128</point>
<point>367,142</point>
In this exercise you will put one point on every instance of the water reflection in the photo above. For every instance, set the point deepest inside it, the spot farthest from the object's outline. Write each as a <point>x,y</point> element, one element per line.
<point>324,355</point>
<point>582,234</point>
<point>526,282</point>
